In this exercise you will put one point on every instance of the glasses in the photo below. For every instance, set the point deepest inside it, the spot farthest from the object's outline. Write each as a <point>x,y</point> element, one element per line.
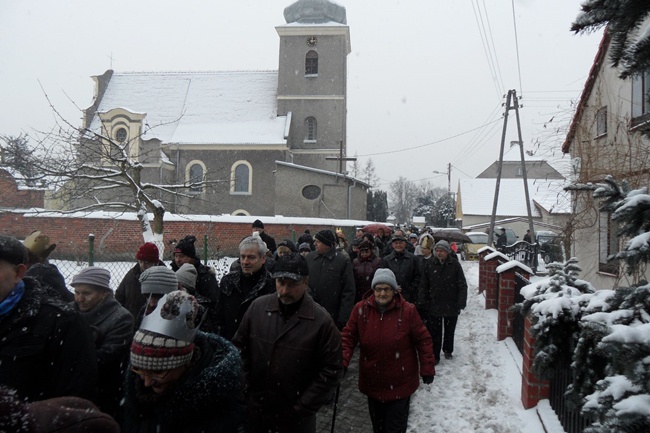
<point>383,289</point>
<point>157,376</point>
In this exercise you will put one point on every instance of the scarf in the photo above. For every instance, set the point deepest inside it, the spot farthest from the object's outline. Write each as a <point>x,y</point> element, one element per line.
<point>12,299</point>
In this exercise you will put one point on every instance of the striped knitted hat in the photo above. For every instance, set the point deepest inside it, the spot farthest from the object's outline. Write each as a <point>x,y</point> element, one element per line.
<point>159,280</point>
<point>151,350</point>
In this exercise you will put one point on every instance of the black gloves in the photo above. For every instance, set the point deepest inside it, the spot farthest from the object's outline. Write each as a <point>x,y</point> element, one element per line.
<point>427,380</point>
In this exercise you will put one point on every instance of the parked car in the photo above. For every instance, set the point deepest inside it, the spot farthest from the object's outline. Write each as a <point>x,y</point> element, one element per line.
<point>550,246</point>
<point>479,240</point>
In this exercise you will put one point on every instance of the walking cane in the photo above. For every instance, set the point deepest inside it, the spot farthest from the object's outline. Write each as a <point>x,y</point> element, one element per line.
<point>336,403</point>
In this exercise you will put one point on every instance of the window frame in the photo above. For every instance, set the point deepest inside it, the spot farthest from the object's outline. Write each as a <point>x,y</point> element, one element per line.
<point>607,244</point>
<point>311,63</point>
<point>189,179</point>
<point>640,108</point>
<point>233,178</point>
<point>601,122</point>
<point>311,129</point>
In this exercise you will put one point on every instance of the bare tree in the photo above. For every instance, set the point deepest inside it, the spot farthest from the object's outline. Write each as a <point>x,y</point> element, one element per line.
<point>403,194</point>
<point>89,170</point>
<point>369,174</point>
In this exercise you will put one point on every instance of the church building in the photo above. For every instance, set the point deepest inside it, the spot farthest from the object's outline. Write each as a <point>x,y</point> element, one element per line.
<point>244,142</point>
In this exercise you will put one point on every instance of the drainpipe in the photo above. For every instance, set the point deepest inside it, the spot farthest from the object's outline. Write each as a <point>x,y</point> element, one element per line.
<point>354,183</point>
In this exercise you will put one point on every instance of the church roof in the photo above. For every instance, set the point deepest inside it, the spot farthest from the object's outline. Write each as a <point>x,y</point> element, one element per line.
<point>477,196</point>
<point>229,107</point>
<point>314,12</point>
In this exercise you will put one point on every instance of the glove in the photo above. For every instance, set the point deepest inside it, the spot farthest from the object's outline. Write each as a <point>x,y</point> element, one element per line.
<point>345,372</point>
<point>427,380</point>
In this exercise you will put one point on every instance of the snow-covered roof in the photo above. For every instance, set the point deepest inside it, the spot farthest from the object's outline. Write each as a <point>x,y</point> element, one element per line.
<point>229,107</point>
<point>477,196</point>
<point>514,155</point>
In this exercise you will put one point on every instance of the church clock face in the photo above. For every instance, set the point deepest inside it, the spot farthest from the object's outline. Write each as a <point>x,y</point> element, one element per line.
<point>311,41</point>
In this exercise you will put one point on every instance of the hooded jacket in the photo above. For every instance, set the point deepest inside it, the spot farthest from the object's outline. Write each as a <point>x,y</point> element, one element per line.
<point>364,270</point>
<point>382,336</point>
<point>406,267</point>
<point>207,397</point>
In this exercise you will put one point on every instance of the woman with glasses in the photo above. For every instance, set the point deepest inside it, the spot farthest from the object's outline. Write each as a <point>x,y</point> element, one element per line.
<point>396,351</point>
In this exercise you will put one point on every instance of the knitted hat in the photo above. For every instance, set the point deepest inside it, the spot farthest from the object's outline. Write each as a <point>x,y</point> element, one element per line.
<point>292,266</point>
<point>413,235</point>
<point>159,280</point>
<point>93,275</point>
<point>304,247</point>
<point>443,245</point>
<point>287,243</point>
<point>385,276</point>
<point>258,224</point>
<point>398,238</point>
<point>187,275</point>
<point>148,252</point>
<point>327,237</point>
<point>157,345</point>
<point>12,250</point>
<point>186,246</point>
<point>38,245</point>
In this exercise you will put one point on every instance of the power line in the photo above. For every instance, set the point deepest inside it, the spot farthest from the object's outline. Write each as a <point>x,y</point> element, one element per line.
<point>429,144</point>
<point>486,50</point>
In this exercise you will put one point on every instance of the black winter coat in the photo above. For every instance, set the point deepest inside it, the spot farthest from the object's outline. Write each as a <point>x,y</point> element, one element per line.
<point>408,272</point>
<point>233,302</point>
<point>364,270</point>
<point>46,349</point>
<point>331,283</point>
<point>128,293</point>
<point>443,291</point>
<point>50,279</point>
<point>207,398</point>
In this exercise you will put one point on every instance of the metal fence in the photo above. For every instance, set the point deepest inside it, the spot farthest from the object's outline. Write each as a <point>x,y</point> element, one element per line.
<point>571,419</point>
<point>120,260</point>
<point>519,319</point>
<point>523,252</point>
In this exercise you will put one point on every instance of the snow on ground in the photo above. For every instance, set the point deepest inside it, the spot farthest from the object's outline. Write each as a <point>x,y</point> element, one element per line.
<point>479,389</point>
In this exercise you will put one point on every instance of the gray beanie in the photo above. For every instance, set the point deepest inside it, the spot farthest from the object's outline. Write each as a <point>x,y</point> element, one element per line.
<point>187,275</point>
<point>386,276</point>
<point>443,245</point>
<point>159,280</point>
<point>93,275</point>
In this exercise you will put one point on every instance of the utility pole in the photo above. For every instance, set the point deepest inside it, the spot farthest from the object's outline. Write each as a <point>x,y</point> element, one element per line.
<point>512,102</point>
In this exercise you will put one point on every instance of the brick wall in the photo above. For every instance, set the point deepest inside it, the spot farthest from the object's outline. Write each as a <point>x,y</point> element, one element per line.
<point>18,198</point>
<point>532,389</point>
<point>121,237</point>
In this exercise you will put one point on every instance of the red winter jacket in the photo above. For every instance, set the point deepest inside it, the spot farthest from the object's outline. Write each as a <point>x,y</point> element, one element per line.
<point>391,344</point>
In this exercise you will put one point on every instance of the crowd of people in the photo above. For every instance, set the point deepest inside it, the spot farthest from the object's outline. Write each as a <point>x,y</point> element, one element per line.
<point>261,350</point>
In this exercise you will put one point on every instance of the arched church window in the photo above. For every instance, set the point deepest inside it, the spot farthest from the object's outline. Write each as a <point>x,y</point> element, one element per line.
<point>311,63</point>
<point>241,178</point>
<point>195,177</point>
<point>310,129</point>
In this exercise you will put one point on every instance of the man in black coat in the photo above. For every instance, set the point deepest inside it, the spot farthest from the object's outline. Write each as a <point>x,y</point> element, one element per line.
<point>46,349</point>
<point>406,267</point>
<point>128,292</point>
<point>258,226</point>
<point>240,287</point>
<point>331,279</point>
<point>206,280</point>
<point>442,294</point>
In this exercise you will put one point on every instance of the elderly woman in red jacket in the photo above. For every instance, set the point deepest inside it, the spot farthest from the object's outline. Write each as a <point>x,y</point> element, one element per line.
<point>396,350</point>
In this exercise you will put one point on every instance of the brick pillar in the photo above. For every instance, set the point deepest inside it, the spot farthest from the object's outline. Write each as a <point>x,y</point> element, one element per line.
<point>532,389</point>
<point>491,283</point>
<point>506,300</point>
<point>482,270</point>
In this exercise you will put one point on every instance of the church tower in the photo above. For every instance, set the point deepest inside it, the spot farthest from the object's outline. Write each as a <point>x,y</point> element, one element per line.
<point>312,81</point>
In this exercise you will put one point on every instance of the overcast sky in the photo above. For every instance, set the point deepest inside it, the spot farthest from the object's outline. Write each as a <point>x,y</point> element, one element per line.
<point>421,91</point>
